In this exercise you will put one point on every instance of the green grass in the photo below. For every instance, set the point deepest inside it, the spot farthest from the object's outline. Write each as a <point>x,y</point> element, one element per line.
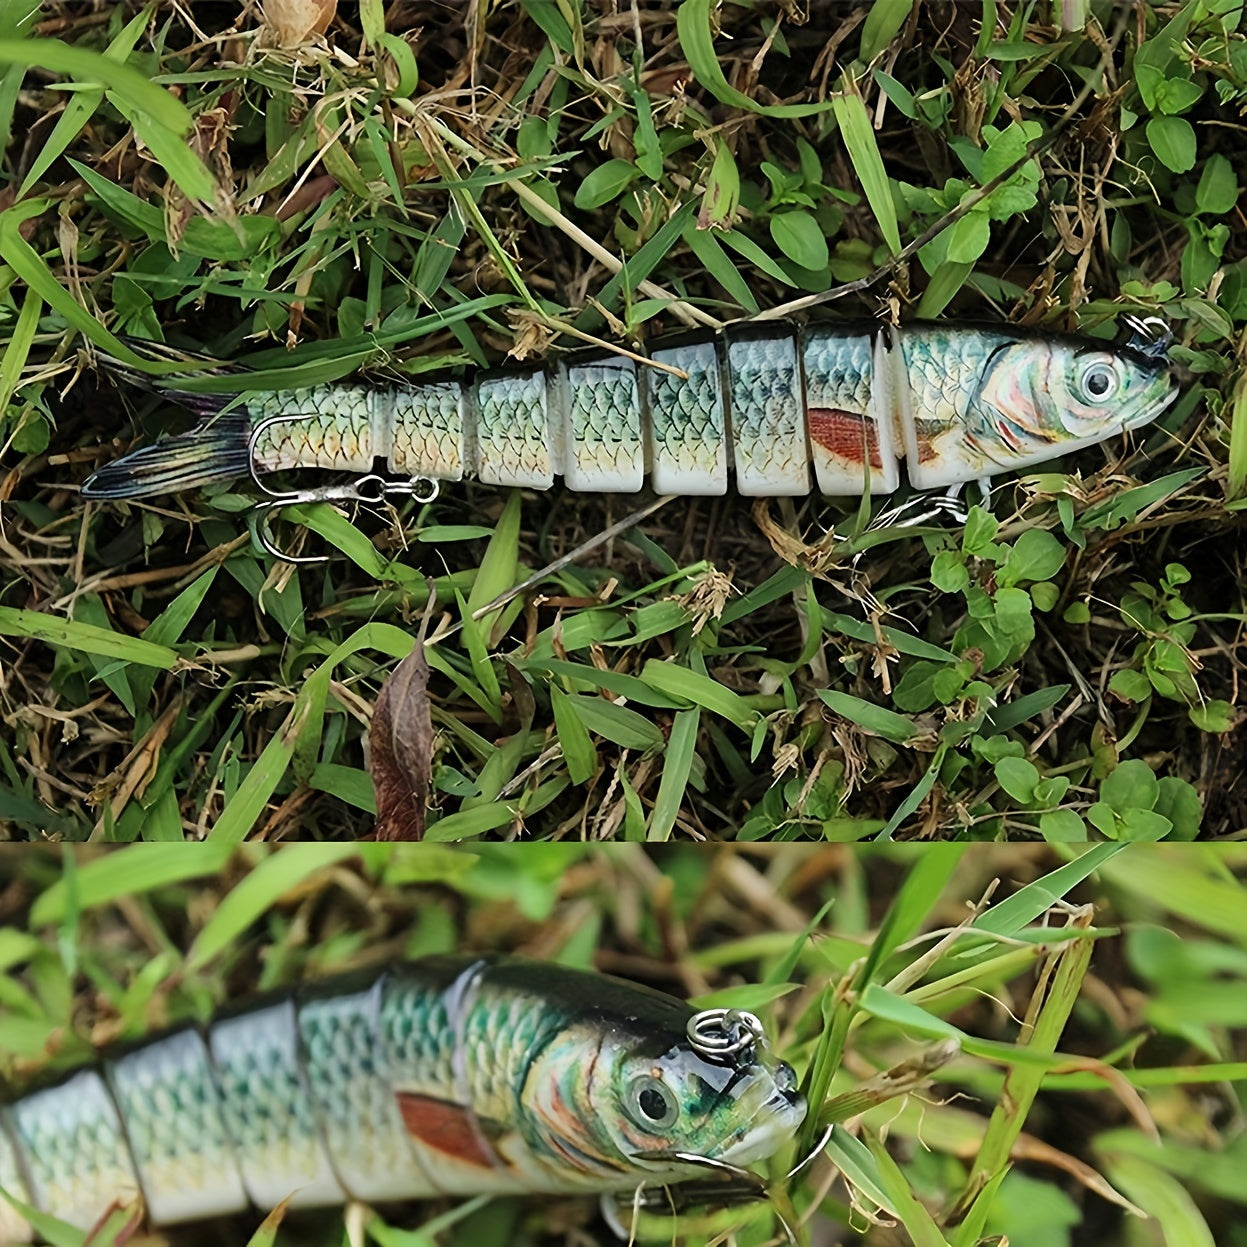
<point>1061,1028</point>
<point>719,669</point>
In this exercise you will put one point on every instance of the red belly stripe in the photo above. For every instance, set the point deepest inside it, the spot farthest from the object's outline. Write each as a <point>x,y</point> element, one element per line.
<point>447,1128</point>
<point>844,434</point>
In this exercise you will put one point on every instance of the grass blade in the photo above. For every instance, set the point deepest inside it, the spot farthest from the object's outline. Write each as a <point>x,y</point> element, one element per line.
<point>621,726</point>
<point>247,804</point>
<point>498,567</point>
<point>677,766</point>
<point>127,872</point>
<point>1009,916</point>
<point>859,141</point>
<point>1236,478</point>
<point>467,824</point>
<point>69,634</point>
<point>578,751</point>
<point>260,889</point>
<point>876,719</point>
<point>913,1215</point>
<point>160,119</point>
<point>18,348</point>
<point>694,26</point>
<point>885,18</point>
<point>80,108</point>
<point>22,258</point>
<point>701,690</point>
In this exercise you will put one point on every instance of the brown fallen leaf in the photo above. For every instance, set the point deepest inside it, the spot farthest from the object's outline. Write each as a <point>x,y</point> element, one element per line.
<point>294,22</point>
<point>306,196</point>
<point>401,746</point>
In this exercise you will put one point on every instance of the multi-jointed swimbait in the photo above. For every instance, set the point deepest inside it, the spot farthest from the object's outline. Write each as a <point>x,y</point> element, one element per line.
<point>764,405</point>
<point>447,1076</point>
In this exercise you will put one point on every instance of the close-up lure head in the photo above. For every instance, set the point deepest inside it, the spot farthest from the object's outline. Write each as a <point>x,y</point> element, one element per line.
<point>643,1101</point>
<point>732,1109</point>
<point>1041,397</point>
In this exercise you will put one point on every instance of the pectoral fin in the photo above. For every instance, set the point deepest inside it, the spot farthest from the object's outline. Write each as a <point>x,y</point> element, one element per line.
<point>450,1129</point>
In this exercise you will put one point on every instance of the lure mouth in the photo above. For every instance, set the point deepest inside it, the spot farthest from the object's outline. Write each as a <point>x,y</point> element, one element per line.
<point>1149,411</point>
<point>775,1124</point>
<point>773,1109</point>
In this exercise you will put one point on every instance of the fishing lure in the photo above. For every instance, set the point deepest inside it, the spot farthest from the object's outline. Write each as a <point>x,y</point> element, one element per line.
<point>763,405</point>
<point>447,1076</point>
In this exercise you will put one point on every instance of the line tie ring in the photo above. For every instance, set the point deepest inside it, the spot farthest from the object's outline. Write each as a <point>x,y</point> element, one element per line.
<point>720,1034</point>
<point>1150,335</point>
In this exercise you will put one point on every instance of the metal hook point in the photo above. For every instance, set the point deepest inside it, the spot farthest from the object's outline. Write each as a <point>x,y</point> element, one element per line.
<point>264,536</point>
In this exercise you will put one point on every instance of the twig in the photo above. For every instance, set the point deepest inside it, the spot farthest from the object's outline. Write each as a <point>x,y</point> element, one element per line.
<point>614,347</point>
<point>689,314</point>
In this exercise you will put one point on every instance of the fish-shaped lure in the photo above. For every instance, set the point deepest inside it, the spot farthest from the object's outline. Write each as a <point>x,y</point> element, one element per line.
<point>446,1076</point>
<point>763,405</point>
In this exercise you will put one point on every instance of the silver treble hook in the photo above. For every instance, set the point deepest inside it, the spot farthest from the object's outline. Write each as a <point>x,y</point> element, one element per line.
<point>369,489</point>
<point>949,504</point>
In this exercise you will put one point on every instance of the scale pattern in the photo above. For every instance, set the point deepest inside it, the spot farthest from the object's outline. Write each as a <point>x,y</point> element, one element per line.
<point>602,427</point>
<point>513,443</point>
<point>688,437</point>
<point>266,1104</point>
<point>427,431</point>
<point>354,1098</point>
<point>330,426</point>
<point>168,1098</point>
<point>942,369</point>
<point>74,1148</point>
<point>418,1035</point>
<point>420,1022</point>
<point>847,419</point>
<point>430,1033</point>
<point>768,417</point>
<point>496,1039</point>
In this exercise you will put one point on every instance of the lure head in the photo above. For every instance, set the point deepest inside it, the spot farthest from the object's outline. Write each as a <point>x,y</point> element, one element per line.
<point>735,1107</point>
<point>1038,398</point>
<point>655,1105</point>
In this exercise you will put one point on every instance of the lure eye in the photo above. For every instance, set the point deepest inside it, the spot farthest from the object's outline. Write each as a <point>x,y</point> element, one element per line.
<point>652,1105</point>
<point>1099,381</point>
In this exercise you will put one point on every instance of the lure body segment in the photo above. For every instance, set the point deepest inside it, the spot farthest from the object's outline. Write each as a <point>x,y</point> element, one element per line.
<point>514,439</point>
<point>441,1077</point>
<point>426,428</point>
<point>953,404</point>
<point>848,414</point>
<point>687,426</point>
<point>601,425</point>
<point>768,416</point>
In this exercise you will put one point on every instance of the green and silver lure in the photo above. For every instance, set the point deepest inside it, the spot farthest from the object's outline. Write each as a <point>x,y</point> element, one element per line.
<point>447,1076</point>
<point>761,405</point>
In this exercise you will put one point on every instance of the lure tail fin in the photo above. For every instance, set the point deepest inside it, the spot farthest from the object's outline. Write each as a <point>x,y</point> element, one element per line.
<point>214,451</point>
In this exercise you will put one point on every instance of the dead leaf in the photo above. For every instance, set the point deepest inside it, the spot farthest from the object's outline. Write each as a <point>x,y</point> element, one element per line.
<point>294,22</point>
<point>401,745</point>
<point>306,196</point>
